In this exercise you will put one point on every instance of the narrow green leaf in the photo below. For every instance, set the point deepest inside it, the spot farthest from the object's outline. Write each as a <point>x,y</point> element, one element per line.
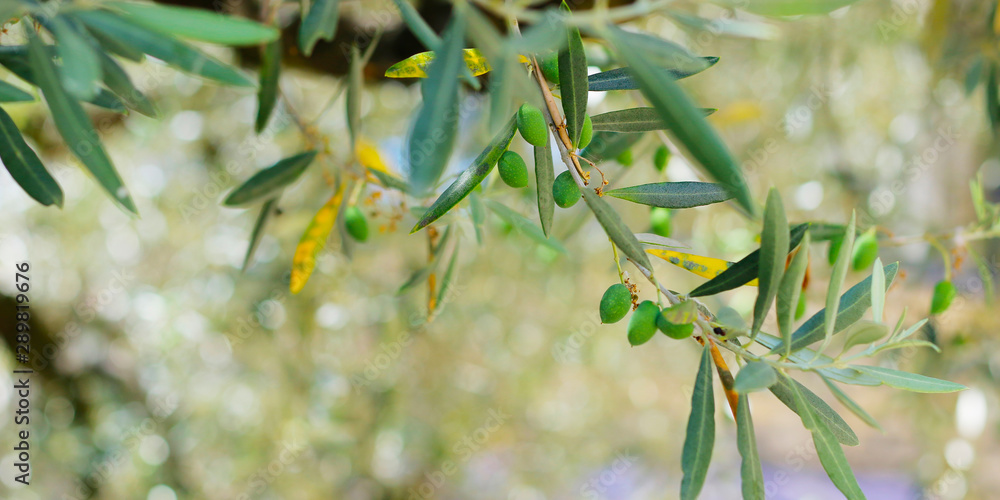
<point>850,404</point>
<point>755,376</point>
<point>773,253</point>
<point>619,233</point>
<point>664,56</point>
<point>523,225</point>
<point>903,344</point>
<point>197,24</point>
<point>573,81</point>
<point>319,22</point>
<point>119,82</point>
<point>421,275</point>
<point>116,46</point>
<point>432,135</point>
<point>831,455</point>
<point>608,145</point>
<point>266,212</point>
<point>746,269</point>
<point>74,125</point>
<point>909,381</point>
<point>478,215</point>
<point>782,8</point>
<point>808,356</point>
<point>789,292</point>
<point>700,437</point>
<point>270,179</point>
<point>270,74</point>
<point>837,276</point>
<point>793,394</point>
<point>15,58</point>
<point>685,121</point>
<point>544,177</point>
<point>621,78</point>
<point>81,68</point>
<point>632,120</point>
<point>746,440</point>
<point>24,165</point>
<point>470,178</point>
<point>878,291</point>
<point>417,25</point>
<point>853,304</point>
<point>390,181</point>
<point>864,332</point>
<point>673,194</point>
<point>10,93</point>
<point>354,86</point>
<point>170,50</point>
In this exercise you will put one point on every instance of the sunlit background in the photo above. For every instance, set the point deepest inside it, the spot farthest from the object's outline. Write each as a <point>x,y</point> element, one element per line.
<point>165,373</point>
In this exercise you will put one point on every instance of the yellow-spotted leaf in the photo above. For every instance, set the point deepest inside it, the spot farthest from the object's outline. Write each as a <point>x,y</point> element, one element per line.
<point>706,267</point>
<point>416,65</point>
<point>313,242</point>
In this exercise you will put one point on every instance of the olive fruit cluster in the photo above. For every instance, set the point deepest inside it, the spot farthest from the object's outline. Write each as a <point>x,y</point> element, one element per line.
<point>646,319</point>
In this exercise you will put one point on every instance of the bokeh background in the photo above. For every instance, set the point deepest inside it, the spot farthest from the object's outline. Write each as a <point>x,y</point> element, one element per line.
<point>165,373</point>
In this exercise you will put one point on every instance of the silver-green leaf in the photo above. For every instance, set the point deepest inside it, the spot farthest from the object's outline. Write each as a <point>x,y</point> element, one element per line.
<point>700,437</point>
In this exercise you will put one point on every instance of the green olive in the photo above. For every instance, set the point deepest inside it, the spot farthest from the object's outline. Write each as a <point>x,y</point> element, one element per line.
<point>355,223</point>
<point>587,133</point>
<point>513,170</point>
<point>944,293</point>
<point>865,251</point>
<point>660,221</point>
<point>673,330</point>
<point>615,303</point>
<point>531,124</point>
<point>642,324</point>
<point>661,157</point>
<point>565,191</point>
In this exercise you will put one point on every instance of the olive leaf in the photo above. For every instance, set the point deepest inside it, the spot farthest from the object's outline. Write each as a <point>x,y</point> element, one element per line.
<point>10,93</point>
<point>266,211</point>
<point>755,376</point>
<point>24,165</point>
<point>432,135</point>
<point>160,46</point>
<point>632,120</point>
<point>700,436</point>
<point>605,145</point>
<point>909,381</point>
<point>837,276</point>
<point>831,455</point>
<point>801,400</point>
<point>544,177</point>
<point>790,290</point>
<point>619,233</point>
<point>196,24</point>
<point>850,404</point>
<point>270,179</point>
<point>573,82</point>
<point>74,125</point>
<point>673,194</point>
<point>745,270</point>
<point>523,225</point>
<point>319,22</point>
<point>621,78</point>
<point>746,440</point>
<point>270,74</point>
<point>773,252</point>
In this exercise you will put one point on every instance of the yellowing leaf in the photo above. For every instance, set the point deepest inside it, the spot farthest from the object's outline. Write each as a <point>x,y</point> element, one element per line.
<point>313,242</point>
<point>416,65</point>
<point>706,267</point>
<point>368,156</point>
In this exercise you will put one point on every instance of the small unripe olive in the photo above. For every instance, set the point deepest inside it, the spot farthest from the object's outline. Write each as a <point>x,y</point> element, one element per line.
<point>944,293</point>
<point>565,191</point>
<point>661,157</point>
<point>659,220</point>
<point>673,330</point>
<point>513,171</point>
<point>865,251</point>
<point>531,124</point>
<point>355,223</point>
<point>642,324</point>
<point>615,303</point>
<point>550,67</point>
<point>625,158</point>
<point>586,133</point>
